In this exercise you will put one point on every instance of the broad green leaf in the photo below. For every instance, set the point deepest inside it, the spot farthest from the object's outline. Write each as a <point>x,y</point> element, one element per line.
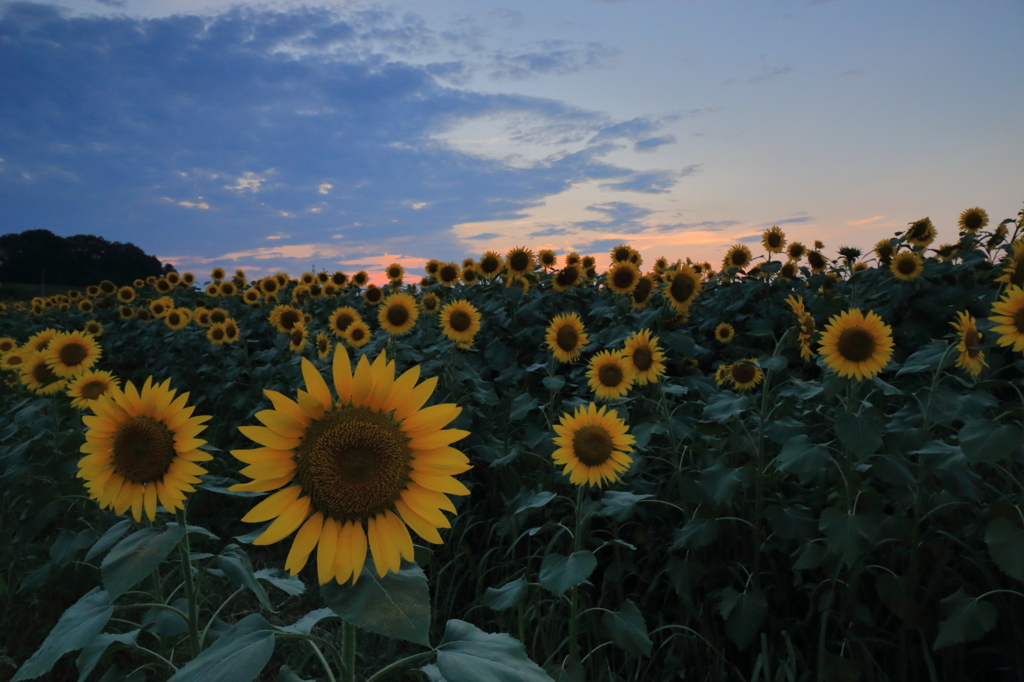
<point>137,556</point>
<point>695,534</point>
<point>726,406</point>
<point>800,456</point>
<point>77,627</point>
<point>535,501</point>
<point>506,596</point>
<point>197,530</point>
<point>743,614</point>
<point>983,440</point>
<point>468,654</point>
<point>792,522</point>
<point>236,566</point>
<point>289,584</point>
<point>554,384</point>
<point>628,629</point>
<point>396,605</point>
<point>1005,540</point>
<point>558,573</point>
<point>924,360</point>
<point>432,673</point>
<point>849,535</point>
<point>773,363</point>
<point>94,650</point>
<point>68,544</point>
<point>860,433</point>
<point>895,593</point>
<point>286,674</point>
<point>643,433</point>
<point>304,625</point>
<point>804,390</point>
<point>107,540</point>
<point>522,406</point>
<point>721,482</point>
<point>619,504</point>
<point>572,671</point>
<point>164,623</point>
<point>968,620</point>
<point>239,655</point>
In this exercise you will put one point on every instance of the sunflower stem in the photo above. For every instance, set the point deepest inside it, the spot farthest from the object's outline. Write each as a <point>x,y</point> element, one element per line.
<point>405,663</point>
<point>348,653</point>
<point>190,588</point>
<point>574,644</point>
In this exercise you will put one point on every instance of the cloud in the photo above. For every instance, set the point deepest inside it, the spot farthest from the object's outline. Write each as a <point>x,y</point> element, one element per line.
<point>789,221</point>
<point>551,58</point>
<point>652,143</point>
<point>324,187</point>
<point>651,182</point>
<point>202,205</point>
<point>551,232</point>
<point>865,221</point>
<point>483,236</point>
<point>247,182</point>
<point>768,73</point>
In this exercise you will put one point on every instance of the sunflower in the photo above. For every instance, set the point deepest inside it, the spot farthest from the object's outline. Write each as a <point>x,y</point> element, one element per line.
<point>216,334</point>
<point>372,456</point>
<point>470,274</point>
<point>212,290</point>
<point>610,375</point>
<point>93,291</point>
<point>547,259</point>
<point>432,267</point>
<point>323,345</point>
<point>284,317</point>
<point>38,376</point>
<point>621,253</point>
<point>520,282</point>
<point>1008,314</point>
<point>972,220</point>
<point>252,296</point>
<point>724,333</point>
<point>358,334</point>
<point>774,239</point>
<point>519,261</point>
<point>315,290</point>
<point>173,277</point>
<point>566,337</point>
<point>948,252</point>
<point>71,353</point>
<point>593,446</point>
<point>307,278</point>
<point>641,294</point>
<point>341,318</point>
<point>395,271</point>
<point>269,284</point>
<point>645,357</point>
<point>298,338</point>
<point>373,295</point>
<point>460,321</point>
<point>817,262</point>
<point>448,274</point>
<point>141,449</point>
<point>178,318</point>
<point>126,294</point>
<point>398,314</point>
<point>13,359</point>
<point>163,286</point>
<point>921,233</point>
<point>339,279</point>
<point>796,251</point>
<point>201,316</point>
<point>231,331</point>
<point>789,271</point>
<point>92,327</point>
<point>745,374</point>
<point>737,258</point>
<point>7,344</point>
<point>566,278</point>
<point>108,287</point>
<point>360,278</point>
<point>144,315</point>
<point>855,345</point>
<point>88,386</point>
<point>217,274</point>
<point>971,357</point>
<point>85,305</point>
<point>683,287</point>
<point>622,277</point>
<point>1013,271</point>
<point>907,265</point>
<point>426,281</point>
<point>187,279</point>
<point>228,289</point>
<point>573,258</point>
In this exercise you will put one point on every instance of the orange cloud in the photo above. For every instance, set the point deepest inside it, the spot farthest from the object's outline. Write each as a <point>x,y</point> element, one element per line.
<point>865,221</point>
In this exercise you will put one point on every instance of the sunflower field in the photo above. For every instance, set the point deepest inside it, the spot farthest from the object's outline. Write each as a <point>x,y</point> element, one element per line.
<point>524,467</point>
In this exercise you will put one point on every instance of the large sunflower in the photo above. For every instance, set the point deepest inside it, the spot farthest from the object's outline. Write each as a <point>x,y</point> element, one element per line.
<point>774,239</point>
<point>592,445</point>
<point>907,265</point>
<point>71,353</point>
<point>971,357</point>
<point>921,232</point>
<point>490,263</point>
<point>341,318</point>
<point>1013,270</point>
<point>622,277</point>
<point>973,219</point>
<point>737,258</point>
<point>460,321</point>
<point>40,340</point>
<point>645,357</point>
<point>683,287</point>
<point>88,386</point>
<point>855,345</point>
<point>566,337</point>
<point>141,449</point>
<point>641,294</point>
<point>398,314</point>
<point>519,261</point>
<point>610,375</point>
<point>38,376</point>
<point>371,456</point>
<point>1008,314</point>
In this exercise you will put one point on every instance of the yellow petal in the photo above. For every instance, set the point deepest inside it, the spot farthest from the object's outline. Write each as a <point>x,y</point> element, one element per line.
<point>275,468</point>
<point>415,492</point>
<point>264,436</point>
<point>342,371</point>
<point>399,535</point>
<point>261,455</point>
<point>415,399</point>
<point>357,549</point>
<point>138,498</point>
<point>261,486</point>
<point>315,384</point>
<point>430,420</point>
<point>273,506</point>
<point>326,551</point>
<point>287,406</point>
<point>310,405</point>
<point>420,525</point>
<point>285,524</point>
<point>168,500</point>
<point>281,424</point>
<point>440,467</point>
<point>383,380</point>
<point>362,382</point>
<point>441,484</point>
<point>342,568</point>
<point>401,388</point>
<point>305,541</point>
<point>149,492</point>
<point>438,439</point>
<point>379,548</point>
<point>124,498</point>
<point>196,456</point>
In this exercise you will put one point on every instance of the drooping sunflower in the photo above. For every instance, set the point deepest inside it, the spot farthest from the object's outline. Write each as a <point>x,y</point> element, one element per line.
<point>972,220</point>
<point>948,252</point>
<point>358,334</point>
<point>593,446</point>
<point>93,327</point>
<point>921,233</point>
<point>547,259</point>
<point>7,344</point>
<point>398,314</point>
<point>141,449</point>
<point>71,353</point>
<point>448,274</point>
<point>682,288</point>
<point>460,321</point>
<point>622,277</point>
<point>1008,314</point>
<point>430,303</point>
<point>737,258</point>
<point>724,333</point>
<point>373,455</point>
<point>773,239</point>
<point>789,271</point>
<point>490,264</point>
<point>610,375</point>
<point>722,374</point>
<point>907,265</point>
<point>38,376</point>
<point>284,317</point>
<point>1013,270</point>
<point>40,340</point>
<point>395,271</point>
<point>855,345</point>
<point>817,262</point>
<point>468,262</point>
<point>88,386</point>
<point>341,318</point>
<point>178,318</point>
<point>519,261</point>
<point>645,357</point>
<point>323,345</point>
<point>796,251</point>
<point>298,338</point>
<point>641,294</point>
<point>745,374</point>
<point>565,337</point>
<point>971,358</point>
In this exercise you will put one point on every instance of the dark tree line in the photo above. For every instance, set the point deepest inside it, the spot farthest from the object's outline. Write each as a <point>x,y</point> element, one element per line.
<point>36,255</point>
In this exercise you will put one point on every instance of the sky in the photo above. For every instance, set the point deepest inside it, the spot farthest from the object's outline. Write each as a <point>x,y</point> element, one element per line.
<point>349,135</point>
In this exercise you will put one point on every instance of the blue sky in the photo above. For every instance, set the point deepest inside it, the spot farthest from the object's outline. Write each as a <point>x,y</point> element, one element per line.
<point>348,135</point>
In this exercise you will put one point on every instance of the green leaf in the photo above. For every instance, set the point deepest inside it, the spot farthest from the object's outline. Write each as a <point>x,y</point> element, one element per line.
<point>396,605</point>
<point>695,534</point>
<point>522,406</point>
<point>773,363</point>
<point>239,655</point>
<point>925,360</point>
<point>804,390</point>
<point>1005,540</point>
<point>558,573</point>
<point>895,593</point>
<point>619,504</point>
<point>793,522</point>
<point>743,613</point>
<point>94,650</point>
<point>983,440</point>
<point>628,629</point>
<point>968,620</point>
<point>535,501</point>
<point>289,584</point>
<point>137,556</point>
<point>800,456</point>
<point>77,627</point>
<point>286,674</point>
<point>68,544</point>
<point>506,596</point>
<point>554,384</point>
<point>107,540</point>
<point>860,433</point>
<point>726,406</point>
<point>468,654</point>
<point>304,625</point>
<point>849,535</point>
<point>236,566</point>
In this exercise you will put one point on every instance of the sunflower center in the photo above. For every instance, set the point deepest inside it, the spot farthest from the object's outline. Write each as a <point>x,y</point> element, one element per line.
<point>856,344</point>
<point>489,264</point>
<point>358,334</point>
<point>744,372</point>
<point>448,274</point>
<point>724,333</point>
<point>374,294</point>
<point>621,254</point>
<point>593,445</point>
<point>906,266</point>
<point>643,358</point>
<point>429,303</point>
<point>289,318</point>
<point>739,258</point>
<point>143,449</point>
<point>217,333</point>
<point>1018,320</point>
<point>816,260</point>
<point>623,278</point>
<point>971,341</point>
<point>72,354</point>
<point>567,338</point>
<point>683,286</point>
<point>394,273</point>
<point>354,463</point>
<point>973,221</point>
<point>519,260</point>
<point>42,374</point>
<point>93,389</point>
<point>610,375</point>
<point>796,251</point>
<point>774,240</point>
<point>342,322</point>
<point>918,232</point>
<point>460,320</point>
<point>398,315</point>
<point>642,290</point>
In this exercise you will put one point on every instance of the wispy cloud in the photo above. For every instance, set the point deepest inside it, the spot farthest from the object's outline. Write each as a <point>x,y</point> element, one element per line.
<point>866,220</point>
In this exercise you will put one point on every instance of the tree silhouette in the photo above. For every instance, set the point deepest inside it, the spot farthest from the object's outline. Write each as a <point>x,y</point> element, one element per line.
<point>34,255</point>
